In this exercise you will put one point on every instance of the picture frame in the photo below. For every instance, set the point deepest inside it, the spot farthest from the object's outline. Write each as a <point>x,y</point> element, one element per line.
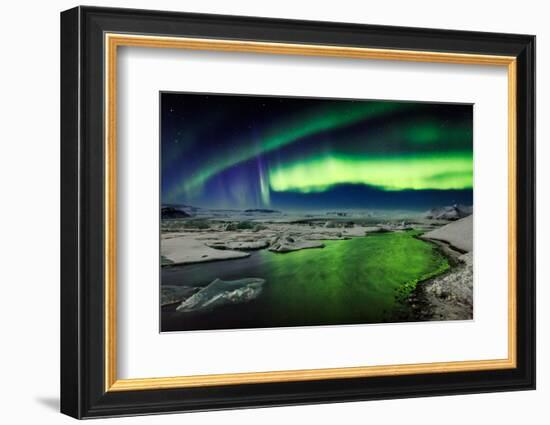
<point>90,40</point>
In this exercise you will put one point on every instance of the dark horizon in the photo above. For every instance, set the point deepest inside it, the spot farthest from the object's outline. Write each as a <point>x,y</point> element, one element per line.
<point>403,201</point>
<point>246,152</point>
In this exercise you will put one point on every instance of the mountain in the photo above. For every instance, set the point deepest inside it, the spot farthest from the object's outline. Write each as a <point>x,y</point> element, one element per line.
<point>189,209</point>
<point>453,212</point>
<point>262,210</point>
<point>171,212</point>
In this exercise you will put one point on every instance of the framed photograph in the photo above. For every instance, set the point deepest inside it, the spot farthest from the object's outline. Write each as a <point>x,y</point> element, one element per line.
<point>261,212</point>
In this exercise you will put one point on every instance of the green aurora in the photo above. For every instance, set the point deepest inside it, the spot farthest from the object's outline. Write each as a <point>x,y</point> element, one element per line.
<point>295,129</point>
<point>243,152</point>
<point>417,172</point>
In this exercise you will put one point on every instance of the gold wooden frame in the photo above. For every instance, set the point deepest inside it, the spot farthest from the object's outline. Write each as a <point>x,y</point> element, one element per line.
<point>113,41</point>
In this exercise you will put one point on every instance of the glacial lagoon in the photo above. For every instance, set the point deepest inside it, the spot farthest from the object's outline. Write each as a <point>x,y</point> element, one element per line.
<point>360,280</point>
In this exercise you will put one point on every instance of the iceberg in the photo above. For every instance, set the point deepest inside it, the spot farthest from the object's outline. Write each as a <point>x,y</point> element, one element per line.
<point>170,294</point>
<point>221,292</point>
<point>287,243</point>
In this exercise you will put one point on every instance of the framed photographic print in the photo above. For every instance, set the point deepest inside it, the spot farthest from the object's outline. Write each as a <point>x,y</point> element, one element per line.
<point>261,212</point>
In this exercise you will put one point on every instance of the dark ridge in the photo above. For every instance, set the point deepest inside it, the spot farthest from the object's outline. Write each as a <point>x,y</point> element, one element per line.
<point>171,212</point>
<point>262,210</point>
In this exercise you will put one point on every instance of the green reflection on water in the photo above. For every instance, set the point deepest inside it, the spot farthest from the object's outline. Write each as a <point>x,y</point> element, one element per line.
<point>352,281</point>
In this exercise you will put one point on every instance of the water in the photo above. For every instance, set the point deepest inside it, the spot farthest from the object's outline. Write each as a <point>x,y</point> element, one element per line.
<point>347,282</point>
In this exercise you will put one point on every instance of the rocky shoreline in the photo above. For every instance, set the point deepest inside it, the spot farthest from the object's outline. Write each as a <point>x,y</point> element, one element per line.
<point>448,296</point>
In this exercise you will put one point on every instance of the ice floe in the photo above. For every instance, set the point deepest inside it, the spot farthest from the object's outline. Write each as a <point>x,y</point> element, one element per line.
<point>222,292</point>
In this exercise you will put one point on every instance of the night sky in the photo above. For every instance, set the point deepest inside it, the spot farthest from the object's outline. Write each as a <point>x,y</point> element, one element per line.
<point>290,153</point>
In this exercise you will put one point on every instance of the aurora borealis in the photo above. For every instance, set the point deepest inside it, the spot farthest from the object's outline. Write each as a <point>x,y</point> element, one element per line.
<point>230,151</point>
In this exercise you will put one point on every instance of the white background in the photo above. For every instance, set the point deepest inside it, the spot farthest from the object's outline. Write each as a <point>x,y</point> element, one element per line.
<point>29,87</point>
<point>255,350</point>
